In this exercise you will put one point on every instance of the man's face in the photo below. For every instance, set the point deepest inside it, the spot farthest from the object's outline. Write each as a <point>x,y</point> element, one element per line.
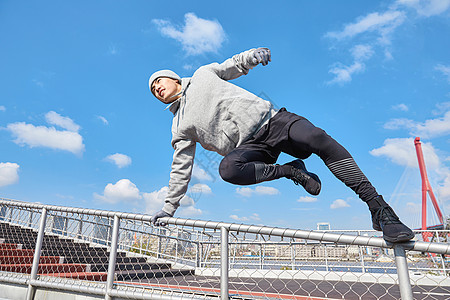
<point>165,88</point>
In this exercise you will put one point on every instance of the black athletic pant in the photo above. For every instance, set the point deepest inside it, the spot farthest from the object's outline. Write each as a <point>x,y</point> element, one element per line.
<point>254,161</point>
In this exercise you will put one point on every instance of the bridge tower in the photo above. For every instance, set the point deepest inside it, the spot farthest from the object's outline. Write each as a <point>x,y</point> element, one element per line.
<point>426,188</point>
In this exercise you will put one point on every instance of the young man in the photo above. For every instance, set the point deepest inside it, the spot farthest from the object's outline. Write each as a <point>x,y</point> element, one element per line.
<point>251,134</point>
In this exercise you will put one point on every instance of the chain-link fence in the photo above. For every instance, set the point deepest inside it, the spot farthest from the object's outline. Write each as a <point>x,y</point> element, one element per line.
<point>122,255</point>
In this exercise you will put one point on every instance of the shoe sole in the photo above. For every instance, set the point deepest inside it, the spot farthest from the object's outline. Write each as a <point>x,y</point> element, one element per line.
<point>399,239</point>
<point>317,182</point>
<point>300,165</point>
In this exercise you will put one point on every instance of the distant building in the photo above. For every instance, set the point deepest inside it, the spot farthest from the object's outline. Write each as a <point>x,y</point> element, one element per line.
<point>323,226</point>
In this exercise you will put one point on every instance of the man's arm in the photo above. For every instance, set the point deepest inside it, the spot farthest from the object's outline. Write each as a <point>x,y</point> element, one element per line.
<point>240,64</point>
<point>183,160</point>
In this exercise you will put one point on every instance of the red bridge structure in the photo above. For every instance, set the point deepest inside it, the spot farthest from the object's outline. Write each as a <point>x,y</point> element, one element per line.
<point>426,188</point>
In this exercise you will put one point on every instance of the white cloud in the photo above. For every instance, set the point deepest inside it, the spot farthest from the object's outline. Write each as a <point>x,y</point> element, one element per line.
<point>266,190</point>
<point>339,203</point>
<point>122,191</point>
<point>427,8</point>
<point>259,190</point>
<point>444,187</point>
<point>253,217</point>
<point>245,191</point>
<point>190,211</point>
<point>388,55</point>
<point>376,30</point>
<point>399,124</point>
<point>41,136</point>
<point>428,129</point>
<point>401,107</point>
<point>362,52</point>
<point>201,188</point>
<point>64,122</point>
<point>306,199</point>
<point>402,151</point>
<point>382,23</point>
<point>343,73</point>
<point>9,173</point>
<point>154,202</point>
<point>434,127</point>
<point>200,174</point>
<point>2,108</point>
<point>121,160</point>
<point>442,108</point>
<point>197,36</point>
<point>103,119</point>
<point>413,208</point>
<point>444,70</point>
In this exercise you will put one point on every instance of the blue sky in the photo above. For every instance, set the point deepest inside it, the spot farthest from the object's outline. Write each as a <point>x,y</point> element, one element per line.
<point>79,127</point>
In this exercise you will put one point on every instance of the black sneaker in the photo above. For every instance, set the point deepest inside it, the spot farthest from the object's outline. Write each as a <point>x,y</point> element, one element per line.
<point>394,231</point>
<point>300,176</point>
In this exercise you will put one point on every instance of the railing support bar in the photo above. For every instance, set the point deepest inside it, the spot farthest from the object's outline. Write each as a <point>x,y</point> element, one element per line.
<point>30,220</point>
<point>112,258</point>
<point>224,264</point>
<point>198,255</point>
<point>158,254</point>
<point>37,254</point>
<point>402,272</point>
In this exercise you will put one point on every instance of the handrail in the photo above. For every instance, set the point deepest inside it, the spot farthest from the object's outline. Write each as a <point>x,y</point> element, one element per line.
<point>432,247</point>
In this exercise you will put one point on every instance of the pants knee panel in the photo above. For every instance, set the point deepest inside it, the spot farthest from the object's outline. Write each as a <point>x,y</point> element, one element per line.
<point>228,170</point>
<point>319,139</point>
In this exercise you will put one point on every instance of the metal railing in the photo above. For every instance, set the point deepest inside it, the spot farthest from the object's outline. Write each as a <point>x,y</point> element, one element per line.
<point>117,254</point>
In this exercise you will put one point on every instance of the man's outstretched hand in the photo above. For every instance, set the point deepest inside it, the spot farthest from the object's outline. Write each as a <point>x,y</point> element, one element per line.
<point>156,216</point>
<point>261,55</point>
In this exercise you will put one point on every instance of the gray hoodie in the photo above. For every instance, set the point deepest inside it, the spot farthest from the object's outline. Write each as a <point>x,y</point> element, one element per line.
<point>215,113</point>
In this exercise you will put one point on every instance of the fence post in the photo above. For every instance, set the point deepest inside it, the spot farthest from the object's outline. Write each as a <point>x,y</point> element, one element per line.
<point>444,271</point>
<point>112,258</point>
<point>260,256</point>
<point>198,255</point>
<point>158,254</point>
<point>37,254</point>
<point>402,272</point>
<point>30,219</point>
<point>80,228</point>
<point>177,245</point>
<point>361,255</point>
<point>224,264</point>
<point>10,214</point>
<point>293,256</point>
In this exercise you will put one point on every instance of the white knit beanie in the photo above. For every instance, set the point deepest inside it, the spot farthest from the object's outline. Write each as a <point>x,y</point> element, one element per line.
<point>163,73</point>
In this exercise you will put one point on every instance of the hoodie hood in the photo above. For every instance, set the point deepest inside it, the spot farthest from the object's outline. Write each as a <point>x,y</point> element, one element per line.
<point>173,107</point>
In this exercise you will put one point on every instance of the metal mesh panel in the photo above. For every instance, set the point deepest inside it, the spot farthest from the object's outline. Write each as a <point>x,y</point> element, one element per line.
<point>17,241</point>
<point>430,272</point>
<point>166,258</point>
<point>264,266</point>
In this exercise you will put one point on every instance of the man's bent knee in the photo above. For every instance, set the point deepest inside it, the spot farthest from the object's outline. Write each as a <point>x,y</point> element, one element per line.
<point>319,139</point>
<point>228,170</point>
<point>237,172</point>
